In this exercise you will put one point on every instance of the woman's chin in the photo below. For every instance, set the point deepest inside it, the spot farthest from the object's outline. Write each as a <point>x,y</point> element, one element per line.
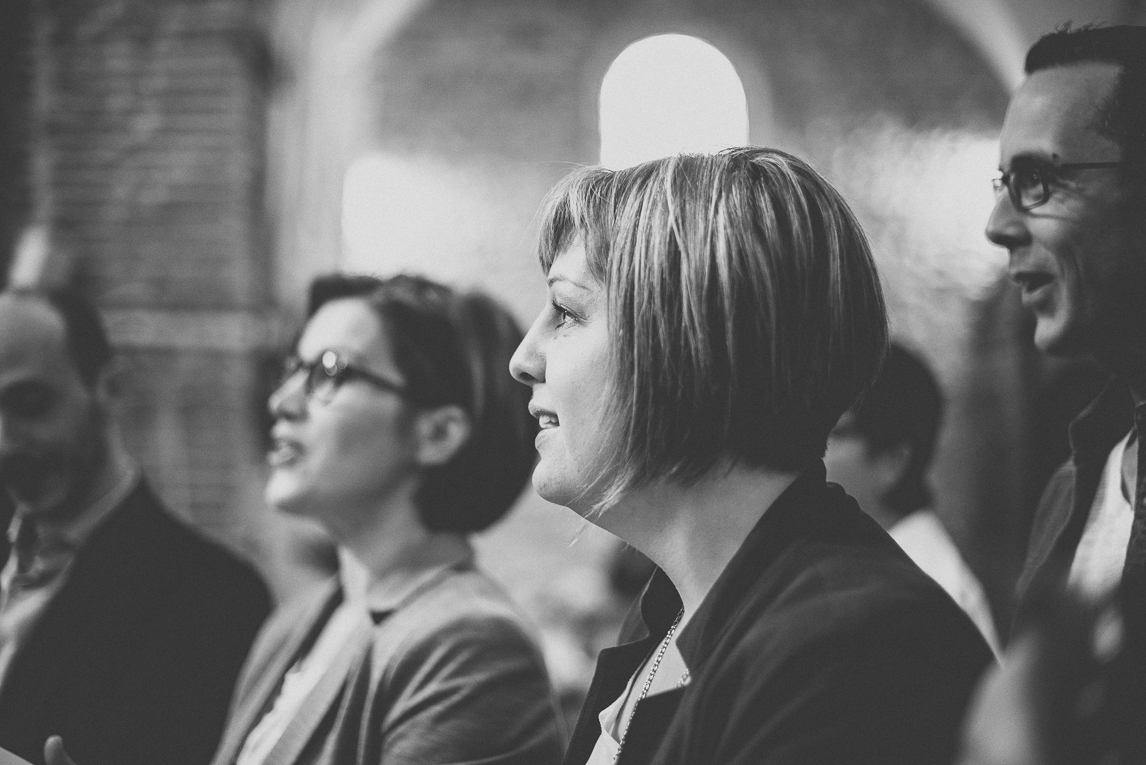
<point>564,493</point>
<point>281,495</point>
<point>549,489</point>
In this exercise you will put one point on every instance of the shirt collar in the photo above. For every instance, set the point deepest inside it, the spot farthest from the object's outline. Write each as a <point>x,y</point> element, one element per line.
<point>381,595</point>
<point>1104,422</point>
<point>71,532</point>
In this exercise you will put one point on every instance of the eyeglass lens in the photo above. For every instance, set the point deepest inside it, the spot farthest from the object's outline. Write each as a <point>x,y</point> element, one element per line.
<point>321,377</point>
<point>1028,187</point>
<point>325,375</point>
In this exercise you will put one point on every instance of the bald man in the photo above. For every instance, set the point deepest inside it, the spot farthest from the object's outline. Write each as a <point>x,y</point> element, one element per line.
<point>120,628</point>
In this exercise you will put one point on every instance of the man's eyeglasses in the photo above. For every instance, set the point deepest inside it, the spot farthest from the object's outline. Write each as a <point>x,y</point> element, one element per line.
<point>1028,184</point>
<point>327,373</point>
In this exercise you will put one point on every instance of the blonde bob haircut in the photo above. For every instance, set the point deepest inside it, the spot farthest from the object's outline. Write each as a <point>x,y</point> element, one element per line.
<point>745,312</point>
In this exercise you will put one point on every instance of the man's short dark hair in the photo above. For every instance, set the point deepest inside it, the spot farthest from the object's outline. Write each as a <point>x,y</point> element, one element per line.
<point>454,348</point>
<point>904,406</point>
<point>84,333</point>
<point>1123,117</point>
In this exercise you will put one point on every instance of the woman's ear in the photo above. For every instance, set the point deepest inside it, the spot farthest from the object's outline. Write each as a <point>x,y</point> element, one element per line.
<point>890,465</point>
<point>441,432</point>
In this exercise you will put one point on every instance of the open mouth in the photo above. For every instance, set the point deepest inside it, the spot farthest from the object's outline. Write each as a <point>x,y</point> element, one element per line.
<point>1032,281</point>
<point>545,418</point>
<point>283,452</point>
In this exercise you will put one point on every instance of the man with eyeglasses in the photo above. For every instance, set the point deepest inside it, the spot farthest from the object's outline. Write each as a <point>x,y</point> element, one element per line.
<point>1070,213</point>
<point>120,628</point>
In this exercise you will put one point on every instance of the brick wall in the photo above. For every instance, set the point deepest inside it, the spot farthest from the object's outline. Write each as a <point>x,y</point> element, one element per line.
<point>155,147</point>
<point>16,116</point>
<point>154,115</point>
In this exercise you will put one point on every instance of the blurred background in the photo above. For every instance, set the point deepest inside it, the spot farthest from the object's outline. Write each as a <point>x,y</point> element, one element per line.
<point>192,164</point>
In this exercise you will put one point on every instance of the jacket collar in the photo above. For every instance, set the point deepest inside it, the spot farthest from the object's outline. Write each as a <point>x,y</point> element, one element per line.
<point>790,517</point>
<point>382,595</point>
<point>71,532</point>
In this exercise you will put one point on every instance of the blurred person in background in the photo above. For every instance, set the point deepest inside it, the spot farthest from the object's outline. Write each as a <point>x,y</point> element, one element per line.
<point>7,510</point>
<point>709,320</point>
<point>120,627</point>
<point>398,430</point>
<point>880,452</point>
<point>1059,697</point>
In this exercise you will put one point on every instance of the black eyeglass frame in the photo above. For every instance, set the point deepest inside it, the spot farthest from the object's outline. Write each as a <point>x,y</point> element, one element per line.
<point>332,368</point>
<point>1039,171</point>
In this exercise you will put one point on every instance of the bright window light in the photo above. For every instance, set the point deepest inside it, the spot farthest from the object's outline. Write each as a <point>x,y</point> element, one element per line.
<point>667,94</point>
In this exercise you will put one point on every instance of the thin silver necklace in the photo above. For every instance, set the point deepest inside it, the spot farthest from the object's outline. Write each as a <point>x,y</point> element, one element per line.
<point>649,682</point>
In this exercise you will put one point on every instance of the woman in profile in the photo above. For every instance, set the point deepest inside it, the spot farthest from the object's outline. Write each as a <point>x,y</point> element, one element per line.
<point>709,320</point>
<point>397,429</point>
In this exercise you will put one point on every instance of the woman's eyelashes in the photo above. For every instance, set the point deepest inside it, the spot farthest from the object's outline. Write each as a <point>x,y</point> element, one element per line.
<point>563,315</point>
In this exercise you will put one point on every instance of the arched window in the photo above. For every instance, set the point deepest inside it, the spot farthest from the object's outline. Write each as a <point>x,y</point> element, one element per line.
<point>667,94</point>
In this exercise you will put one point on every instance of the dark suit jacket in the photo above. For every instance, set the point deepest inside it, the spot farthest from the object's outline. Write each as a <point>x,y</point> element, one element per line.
<point>821,643</point>
<point>446,674</point>
<point>134,660</point>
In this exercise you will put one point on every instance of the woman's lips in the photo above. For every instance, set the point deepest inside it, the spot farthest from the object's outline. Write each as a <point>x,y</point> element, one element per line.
<point>283,452</point>
<point>546,418</point>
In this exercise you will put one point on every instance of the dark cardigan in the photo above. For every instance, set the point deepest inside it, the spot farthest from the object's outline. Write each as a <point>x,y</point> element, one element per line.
<point>820,642</point>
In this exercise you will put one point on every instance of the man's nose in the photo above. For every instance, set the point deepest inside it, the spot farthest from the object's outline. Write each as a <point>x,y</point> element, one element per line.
<point>1007,226</point>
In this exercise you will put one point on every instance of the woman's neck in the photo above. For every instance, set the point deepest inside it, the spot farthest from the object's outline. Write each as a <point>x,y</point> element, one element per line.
<point>384,537</point>
<point>692,532</point>
<point>396,571</point>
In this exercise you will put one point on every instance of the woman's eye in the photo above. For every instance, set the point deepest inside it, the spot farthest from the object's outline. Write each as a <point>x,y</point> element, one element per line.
<point>563,314</point>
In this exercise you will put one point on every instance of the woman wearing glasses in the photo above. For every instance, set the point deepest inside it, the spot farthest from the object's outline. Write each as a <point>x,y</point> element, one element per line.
<point>710,319</point>
<point>397,428</point>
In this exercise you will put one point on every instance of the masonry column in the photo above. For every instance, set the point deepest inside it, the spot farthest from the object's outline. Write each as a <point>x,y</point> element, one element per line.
<point>150,181</point>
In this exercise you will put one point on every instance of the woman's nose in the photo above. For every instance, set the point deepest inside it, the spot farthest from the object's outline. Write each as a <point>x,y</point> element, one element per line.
<point>289,399</point>
<point>528,364</point>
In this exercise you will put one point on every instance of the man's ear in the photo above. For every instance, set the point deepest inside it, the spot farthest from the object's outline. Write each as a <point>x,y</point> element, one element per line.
<point>441,432</point>
<point>110,383</point>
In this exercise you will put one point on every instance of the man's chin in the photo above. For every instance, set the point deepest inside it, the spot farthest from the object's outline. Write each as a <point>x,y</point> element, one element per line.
<point>1056,341</point>
<point>37,500</point>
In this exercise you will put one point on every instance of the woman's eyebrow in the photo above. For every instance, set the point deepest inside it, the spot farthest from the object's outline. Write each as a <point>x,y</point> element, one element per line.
<point>565,279</point>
